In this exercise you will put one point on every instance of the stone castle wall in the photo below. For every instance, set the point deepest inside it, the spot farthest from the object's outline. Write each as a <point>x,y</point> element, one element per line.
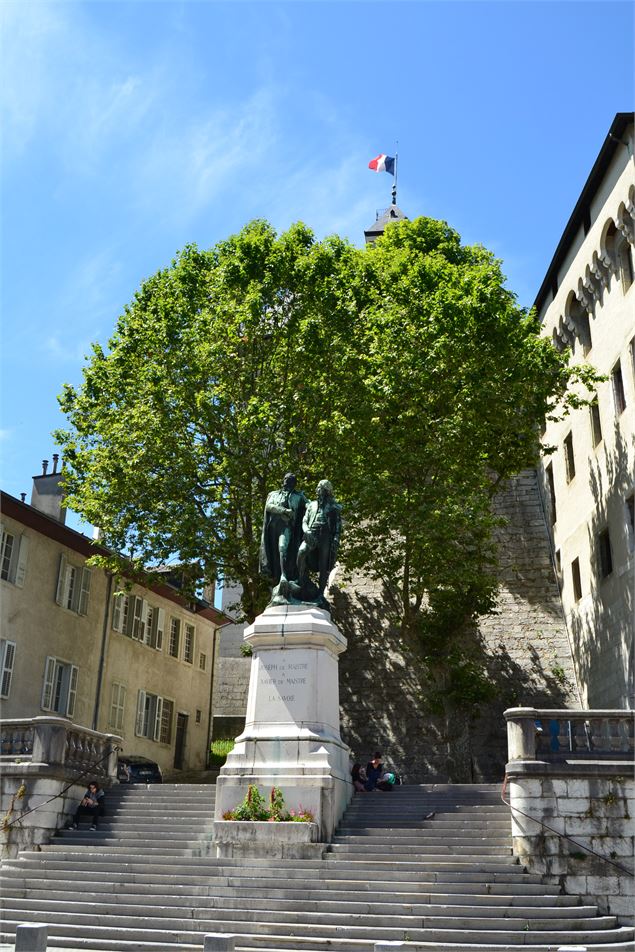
<point>382,685</point>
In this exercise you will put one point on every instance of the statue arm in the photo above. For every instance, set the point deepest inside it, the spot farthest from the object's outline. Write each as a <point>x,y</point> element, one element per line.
<point>275,508</point>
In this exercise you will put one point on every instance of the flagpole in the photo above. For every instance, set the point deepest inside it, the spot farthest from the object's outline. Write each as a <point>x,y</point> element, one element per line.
<point>394,188</point>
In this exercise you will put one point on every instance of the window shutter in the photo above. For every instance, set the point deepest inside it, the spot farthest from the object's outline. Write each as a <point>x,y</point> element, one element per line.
<point>47,690</point>
<point>122,707</point>
<point>144,633</point>
<point>117,605</point>
<point>114,695</point>
<point>135,615</point>
<point>127,614</point>
<point>8,655</point>
<point>157,718</point>
<point>20,569</point>
<point>85,591</point>
<point>59,597</point>
<point>72,691</point>
<point>141,706</point>
<point>160,627</point>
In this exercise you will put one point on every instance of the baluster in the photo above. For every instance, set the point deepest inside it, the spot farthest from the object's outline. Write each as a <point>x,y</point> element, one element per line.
<point>622,730</point>
<point>557,735</point>
<point>615,737</point>
<point>578,735</point>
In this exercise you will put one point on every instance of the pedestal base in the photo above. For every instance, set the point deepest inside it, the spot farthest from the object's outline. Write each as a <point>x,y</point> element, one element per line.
<point>292,737</point>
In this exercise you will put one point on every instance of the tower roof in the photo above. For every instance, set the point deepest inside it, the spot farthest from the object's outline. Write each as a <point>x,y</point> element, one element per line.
<point>385,217</point>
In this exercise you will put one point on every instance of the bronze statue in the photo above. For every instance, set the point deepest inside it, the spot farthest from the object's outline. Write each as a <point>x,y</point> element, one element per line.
<point>282,534</point>
<point>298,538</point>
<point>322,527</point>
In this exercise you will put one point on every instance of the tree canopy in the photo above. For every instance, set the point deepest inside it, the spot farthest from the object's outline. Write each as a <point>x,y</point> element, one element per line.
<point>404,372</point>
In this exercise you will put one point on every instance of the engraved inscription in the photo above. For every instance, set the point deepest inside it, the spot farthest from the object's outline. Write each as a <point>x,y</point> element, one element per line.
<point>282,676</point>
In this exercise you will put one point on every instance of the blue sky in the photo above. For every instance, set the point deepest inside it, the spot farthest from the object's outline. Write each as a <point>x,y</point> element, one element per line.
<point>130,129</point>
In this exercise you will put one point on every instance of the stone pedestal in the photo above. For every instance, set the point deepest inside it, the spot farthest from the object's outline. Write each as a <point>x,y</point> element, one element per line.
<point>292,732</point>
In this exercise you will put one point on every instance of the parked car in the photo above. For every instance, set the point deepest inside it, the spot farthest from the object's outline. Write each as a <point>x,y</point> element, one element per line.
<point>134,769</point>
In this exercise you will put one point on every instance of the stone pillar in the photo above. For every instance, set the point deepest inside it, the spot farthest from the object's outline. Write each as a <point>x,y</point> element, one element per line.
<point>49,739</point>
<point>219,942</point>
<point>292,732</point>
<point>521,733</point>
<point>31,938</point>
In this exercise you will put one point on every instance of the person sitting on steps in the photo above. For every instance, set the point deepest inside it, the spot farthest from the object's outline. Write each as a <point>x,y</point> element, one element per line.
<point>92,804</point>
<point>374,771</point>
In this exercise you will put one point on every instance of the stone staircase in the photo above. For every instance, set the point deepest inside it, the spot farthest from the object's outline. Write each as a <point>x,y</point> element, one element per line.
<point>444,883</point>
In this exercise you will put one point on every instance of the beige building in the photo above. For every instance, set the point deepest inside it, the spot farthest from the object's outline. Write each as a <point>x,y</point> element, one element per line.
<point>587,303</point>
<point>138,663</point>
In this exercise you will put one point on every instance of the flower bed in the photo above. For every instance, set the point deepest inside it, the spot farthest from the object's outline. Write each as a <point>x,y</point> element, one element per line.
<point>254,808</point>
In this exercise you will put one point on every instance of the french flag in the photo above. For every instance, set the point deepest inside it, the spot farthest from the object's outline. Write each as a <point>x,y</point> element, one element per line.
<point>383,163</point>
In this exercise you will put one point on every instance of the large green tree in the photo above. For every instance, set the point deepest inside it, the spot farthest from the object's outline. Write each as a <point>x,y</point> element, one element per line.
<point>405,372</point>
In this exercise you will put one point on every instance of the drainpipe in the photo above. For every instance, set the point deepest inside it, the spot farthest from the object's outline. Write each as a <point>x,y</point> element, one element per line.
<point>102,655</point>
<point>211,695</point>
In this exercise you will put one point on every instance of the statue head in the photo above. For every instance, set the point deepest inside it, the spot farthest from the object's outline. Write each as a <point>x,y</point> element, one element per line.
<point>324,489</point>
<point>289,481</point>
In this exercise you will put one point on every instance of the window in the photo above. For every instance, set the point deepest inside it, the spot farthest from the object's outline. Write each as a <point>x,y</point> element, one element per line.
<point>569,457</point>
<point>152,624</point>
<point>558,561</point>
<point>605,555</point>
<point>73,586</point>
<point>117,706</point>
<point>576,580</point>
<point>13,552</point>
<point>154,717</point>
<point>202,661</point>
<point>135,617</point>
<point>188,644</point>
<point>60,687</point>
<point>625,263</point>
<point>7,657</point>
<point>618,389</point>
<point>167,714</point>
<point>596,425</point>
<point>199,714</point>
<point>552,492</point>
<point>175,637</point>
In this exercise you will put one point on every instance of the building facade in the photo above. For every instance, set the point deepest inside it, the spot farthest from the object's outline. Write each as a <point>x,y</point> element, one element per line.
<point>587,303</point>
<point>76,642</point>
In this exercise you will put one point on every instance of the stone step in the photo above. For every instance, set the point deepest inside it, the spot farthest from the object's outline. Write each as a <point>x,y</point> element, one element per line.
<point>499,884</point>
<point>421,832</point>
<point>280,944</point>
<point>421,836</point>
<point>334,871</point>
<point>581,931</point>
<point>95,907</point>
<point>436,847</point>
<point>327,906</point>
<point>337,894</point>
<point>121,849</point>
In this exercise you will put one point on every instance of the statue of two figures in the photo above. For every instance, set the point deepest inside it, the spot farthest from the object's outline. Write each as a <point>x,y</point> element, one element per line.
<point>300,537</point>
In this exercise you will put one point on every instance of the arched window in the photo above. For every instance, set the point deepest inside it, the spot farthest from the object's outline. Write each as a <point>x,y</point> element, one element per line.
<point>577,316</point>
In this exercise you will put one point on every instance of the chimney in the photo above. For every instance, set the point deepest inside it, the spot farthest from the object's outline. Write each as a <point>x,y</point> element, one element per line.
<point>46,495</point>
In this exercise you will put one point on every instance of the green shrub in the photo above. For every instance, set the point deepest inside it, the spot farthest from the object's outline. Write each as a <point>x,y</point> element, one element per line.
<point>218,751</point>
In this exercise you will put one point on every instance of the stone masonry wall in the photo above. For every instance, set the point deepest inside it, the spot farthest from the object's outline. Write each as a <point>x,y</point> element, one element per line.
<point>382,686</point>
<point>595,808</point>
<point>26,832</point>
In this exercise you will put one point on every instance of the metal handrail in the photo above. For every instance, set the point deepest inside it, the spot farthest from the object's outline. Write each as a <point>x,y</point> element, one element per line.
<point>563,836</point>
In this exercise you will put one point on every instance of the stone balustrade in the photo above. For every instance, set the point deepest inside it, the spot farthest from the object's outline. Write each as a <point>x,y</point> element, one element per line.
<point>571,789</point>
<point>47,763</point>
<point>57,742</point>
<point>553,736</point>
